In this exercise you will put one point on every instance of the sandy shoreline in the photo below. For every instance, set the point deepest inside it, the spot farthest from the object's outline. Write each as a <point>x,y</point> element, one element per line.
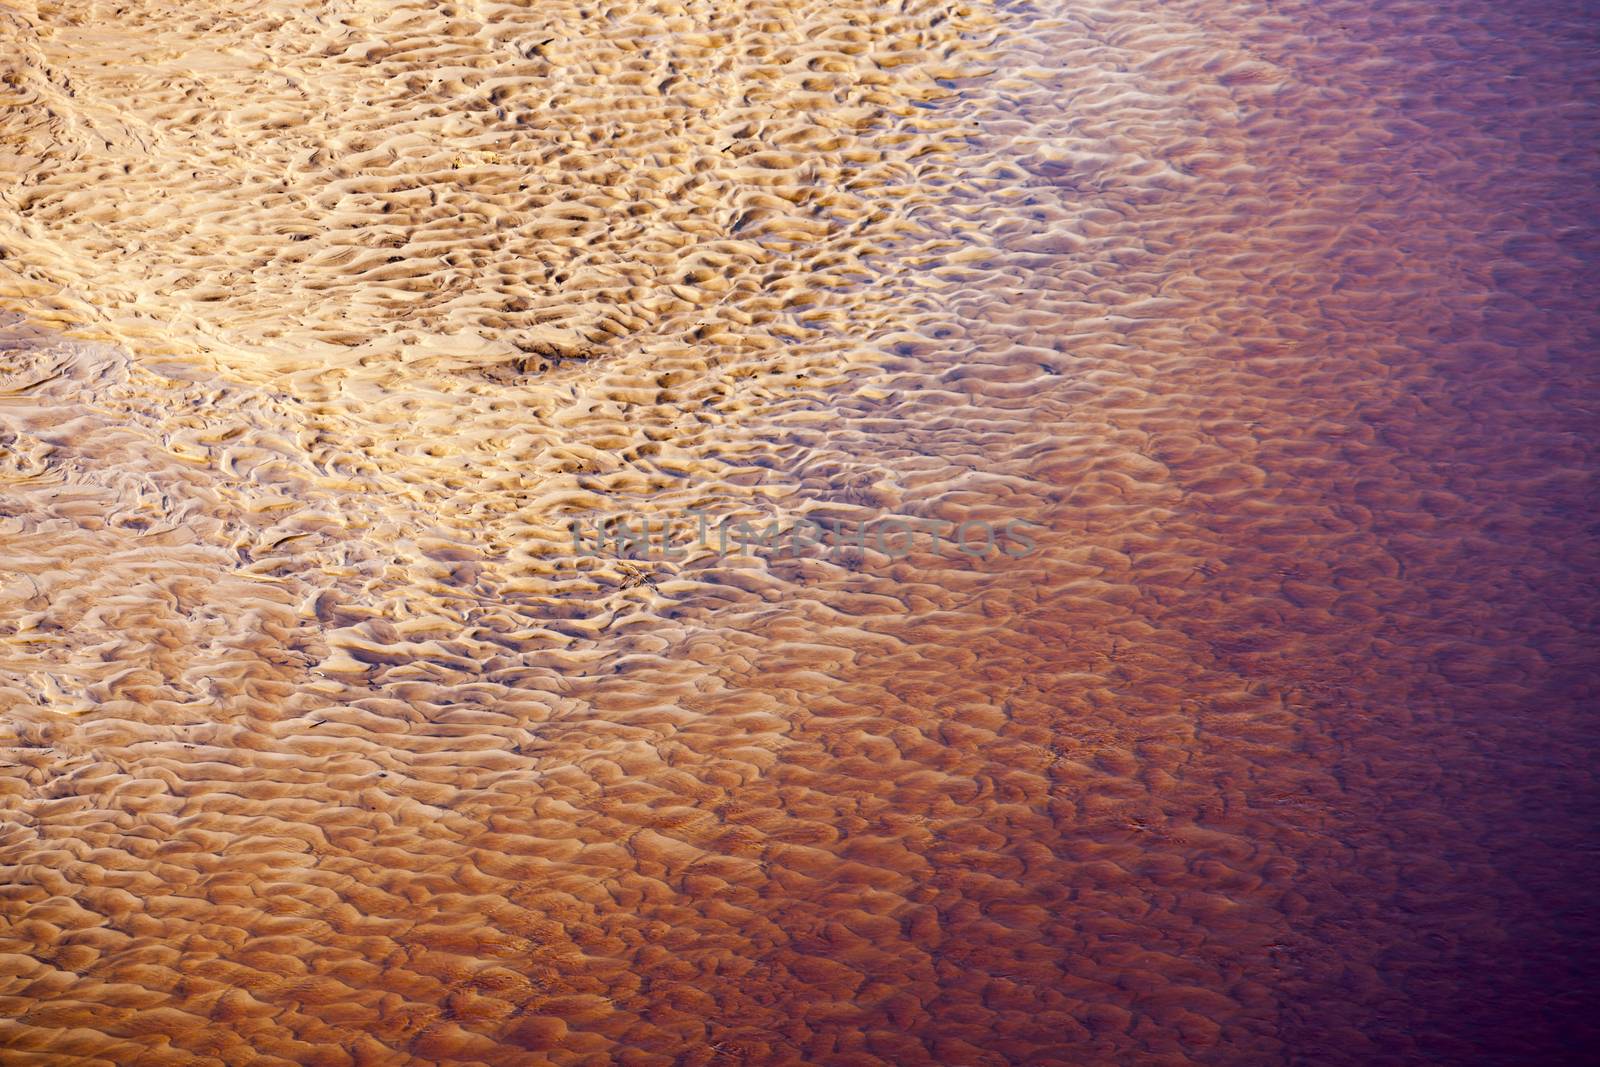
<point>320,744</point>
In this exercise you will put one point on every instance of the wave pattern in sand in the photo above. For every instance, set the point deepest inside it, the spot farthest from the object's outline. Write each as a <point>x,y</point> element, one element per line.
<point>323,321</point>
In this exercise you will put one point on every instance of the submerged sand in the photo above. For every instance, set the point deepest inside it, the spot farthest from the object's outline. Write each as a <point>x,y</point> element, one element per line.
<point>321,322</point>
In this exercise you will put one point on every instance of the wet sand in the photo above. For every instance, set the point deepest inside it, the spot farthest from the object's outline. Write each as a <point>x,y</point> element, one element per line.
<point>321,323</point>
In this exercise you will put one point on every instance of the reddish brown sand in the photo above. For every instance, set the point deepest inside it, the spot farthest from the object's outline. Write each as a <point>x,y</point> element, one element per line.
<point>319,321</point>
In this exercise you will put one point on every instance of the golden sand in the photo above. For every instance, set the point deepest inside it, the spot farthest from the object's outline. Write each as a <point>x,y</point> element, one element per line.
<point>320,323</point>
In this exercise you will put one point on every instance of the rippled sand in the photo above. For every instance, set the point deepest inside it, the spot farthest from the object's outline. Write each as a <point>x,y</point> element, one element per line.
<point>320,322</point>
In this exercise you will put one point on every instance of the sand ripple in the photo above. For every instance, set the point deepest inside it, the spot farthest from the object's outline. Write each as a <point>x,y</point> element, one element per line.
<point>320,324</point>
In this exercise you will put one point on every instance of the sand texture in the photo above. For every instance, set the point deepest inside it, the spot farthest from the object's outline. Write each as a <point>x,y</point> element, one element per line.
<point>320,323</point>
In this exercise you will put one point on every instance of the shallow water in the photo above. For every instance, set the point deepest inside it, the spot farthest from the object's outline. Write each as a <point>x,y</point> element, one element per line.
<point>324,322</point>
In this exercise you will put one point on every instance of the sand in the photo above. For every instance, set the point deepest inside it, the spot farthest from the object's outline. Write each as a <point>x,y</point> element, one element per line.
<point>321,323</point>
